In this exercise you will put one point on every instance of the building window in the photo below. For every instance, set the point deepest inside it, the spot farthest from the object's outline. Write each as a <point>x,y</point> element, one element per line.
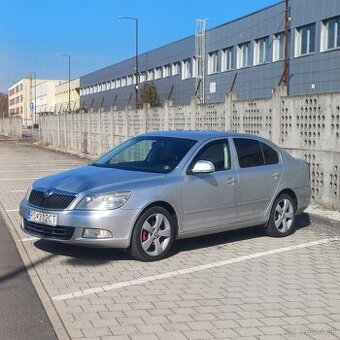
<point>227,56</point>
<point>142,77</point>
<point>166,71</point>
<point>95,89</point>
<point>330,34</point>
<point>186,69</point>
<point>194,67</point>
<point>129,80</point>
<point>243,55</point>
<point>103,86</point>
<point>108,85</point>
<point>91,89</point>
<point>261,51</point>
<point>118,83</point>
<point>123,81</point>
<point>176,68</point>
<point>305,40</point>
<point>149,75</point>
<point>278,46</point>
<point>158,73</point>
<point>213,62</point>
<point>113,84</point>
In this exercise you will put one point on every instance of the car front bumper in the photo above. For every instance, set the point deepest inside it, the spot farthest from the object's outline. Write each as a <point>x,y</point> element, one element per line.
<point>119,222</point>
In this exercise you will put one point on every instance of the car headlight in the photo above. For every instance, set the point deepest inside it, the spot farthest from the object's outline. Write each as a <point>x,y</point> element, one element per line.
<point>28,192</point>
<point>104,202</point>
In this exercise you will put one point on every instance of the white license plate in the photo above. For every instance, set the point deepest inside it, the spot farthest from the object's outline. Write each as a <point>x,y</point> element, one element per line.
<point>41,217</point>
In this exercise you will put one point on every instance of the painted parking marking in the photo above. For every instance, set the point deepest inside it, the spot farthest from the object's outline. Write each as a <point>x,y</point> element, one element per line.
<point>12,210</point>
<point>14,191</point>
<point>29,239</point>
<point>181,272</point>
<point>17,179</point>
<point>31,170</point>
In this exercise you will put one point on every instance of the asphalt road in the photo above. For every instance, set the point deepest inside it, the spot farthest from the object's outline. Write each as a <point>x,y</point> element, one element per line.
<point>22,315</point>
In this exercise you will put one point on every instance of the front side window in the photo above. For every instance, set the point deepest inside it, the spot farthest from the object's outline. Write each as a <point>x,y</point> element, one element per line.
<point>261,51</point>
<point>217,153</point>
<point>243,55</point>
<point>330,34</point>
<point>249,152</point>
<point>305,40</point>
<point>147,154</point>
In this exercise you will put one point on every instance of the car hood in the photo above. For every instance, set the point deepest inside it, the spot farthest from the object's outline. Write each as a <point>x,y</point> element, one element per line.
<point>92,179</point>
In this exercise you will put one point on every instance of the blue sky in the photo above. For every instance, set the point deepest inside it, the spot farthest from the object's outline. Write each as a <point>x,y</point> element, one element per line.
<point>33,32</point>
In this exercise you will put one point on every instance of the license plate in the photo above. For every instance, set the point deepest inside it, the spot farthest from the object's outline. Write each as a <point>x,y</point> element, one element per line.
<point>41,217</point>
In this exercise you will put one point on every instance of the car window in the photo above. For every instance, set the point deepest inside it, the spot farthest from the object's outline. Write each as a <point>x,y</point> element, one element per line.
<point>270,155</point>
<point>217,153</point>
<point>249,152</point>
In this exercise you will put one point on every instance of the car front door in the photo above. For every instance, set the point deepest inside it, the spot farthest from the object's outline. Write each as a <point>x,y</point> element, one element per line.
<point>209,199</point>
<point>260,172</point>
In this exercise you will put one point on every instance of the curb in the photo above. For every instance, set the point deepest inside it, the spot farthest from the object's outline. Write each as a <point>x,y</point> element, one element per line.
<point>325,220</point>
<point>56,322</point>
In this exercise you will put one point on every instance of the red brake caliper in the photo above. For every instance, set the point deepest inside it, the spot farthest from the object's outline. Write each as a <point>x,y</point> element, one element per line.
<point>144,235</point>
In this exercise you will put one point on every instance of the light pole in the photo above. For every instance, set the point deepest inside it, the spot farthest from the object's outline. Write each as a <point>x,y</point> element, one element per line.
<point>69,79</point>
<point>136,55</point>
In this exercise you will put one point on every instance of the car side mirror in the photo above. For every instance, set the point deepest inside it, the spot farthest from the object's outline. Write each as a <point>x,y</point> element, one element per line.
<point>203,167</point>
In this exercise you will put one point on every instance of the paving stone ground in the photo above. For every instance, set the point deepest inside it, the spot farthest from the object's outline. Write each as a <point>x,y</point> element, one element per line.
<point>292,294</point>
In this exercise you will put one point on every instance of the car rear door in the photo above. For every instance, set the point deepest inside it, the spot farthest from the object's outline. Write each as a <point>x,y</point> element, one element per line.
<point>260,171</point>
<point>209,199</point>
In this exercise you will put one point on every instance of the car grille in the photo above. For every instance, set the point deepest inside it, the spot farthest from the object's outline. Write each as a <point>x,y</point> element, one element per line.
<point>55,201</point>
<point>46,231</point>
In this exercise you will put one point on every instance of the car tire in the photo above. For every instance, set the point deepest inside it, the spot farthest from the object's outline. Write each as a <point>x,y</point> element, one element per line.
<point>282,217</point>
<point>153,235</point>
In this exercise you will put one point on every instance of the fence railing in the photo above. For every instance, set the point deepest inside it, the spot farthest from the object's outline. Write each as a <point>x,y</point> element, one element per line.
<point>307,126</point>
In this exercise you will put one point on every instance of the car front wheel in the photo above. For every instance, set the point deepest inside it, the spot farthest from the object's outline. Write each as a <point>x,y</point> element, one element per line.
<point>282,217</point>
<point>152,235</point>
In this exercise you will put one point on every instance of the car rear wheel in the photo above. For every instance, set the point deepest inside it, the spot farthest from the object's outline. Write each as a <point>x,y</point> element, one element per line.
<point>152,235</point>
<point>282,217</point>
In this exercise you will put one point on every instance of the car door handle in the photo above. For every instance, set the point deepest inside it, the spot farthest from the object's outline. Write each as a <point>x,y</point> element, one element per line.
<point>231,180</point>
<point>275,175</point>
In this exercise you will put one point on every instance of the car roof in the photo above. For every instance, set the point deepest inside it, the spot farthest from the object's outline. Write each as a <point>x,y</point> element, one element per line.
<point>198,135</point>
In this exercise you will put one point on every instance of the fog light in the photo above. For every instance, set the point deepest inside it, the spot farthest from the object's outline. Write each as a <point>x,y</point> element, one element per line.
<point>96,233</point>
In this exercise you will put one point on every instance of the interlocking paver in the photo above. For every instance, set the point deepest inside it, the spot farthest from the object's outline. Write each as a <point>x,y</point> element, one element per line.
<point>294,296</point>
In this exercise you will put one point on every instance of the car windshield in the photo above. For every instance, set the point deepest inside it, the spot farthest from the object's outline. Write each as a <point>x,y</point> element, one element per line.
<point>147,154</point>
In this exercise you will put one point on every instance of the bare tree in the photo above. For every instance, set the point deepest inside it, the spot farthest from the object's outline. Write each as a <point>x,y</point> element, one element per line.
<point>148,94</point>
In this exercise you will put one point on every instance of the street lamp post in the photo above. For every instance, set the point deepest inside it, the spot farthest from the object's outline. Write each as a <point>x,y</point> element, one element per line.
<point>69,80</point>
<point>136,56</point>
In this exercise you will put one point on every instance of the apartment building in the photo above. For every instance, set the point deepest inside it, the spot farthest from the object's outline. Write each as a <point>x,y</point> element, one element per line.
<point>29,97</point>
<point>245,55</point>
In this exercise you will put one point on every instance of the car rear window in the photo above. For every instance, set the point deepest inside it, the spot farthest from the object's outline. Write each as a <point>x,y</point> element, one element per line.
<point>270,155</point>
<point>249,152</point>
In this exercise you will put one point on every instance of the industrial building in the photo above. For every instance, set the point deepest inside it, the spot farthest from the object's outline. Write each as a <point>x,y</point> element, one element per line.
<point>245,56</point>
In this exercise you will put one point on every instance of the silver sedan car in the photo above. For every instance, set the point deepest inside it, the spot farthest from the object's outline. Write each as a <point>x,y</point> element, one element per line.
<point>162,186</point>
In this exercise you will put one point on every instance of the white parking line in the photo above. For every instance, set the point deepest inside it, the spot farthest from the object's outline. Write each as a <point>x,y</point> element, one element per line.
<point>13,191</point>
<point>181,272</point>
<point>12,210</point>
<point>29,239</point>
<point>32,170</point>
<point>16,179</point>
